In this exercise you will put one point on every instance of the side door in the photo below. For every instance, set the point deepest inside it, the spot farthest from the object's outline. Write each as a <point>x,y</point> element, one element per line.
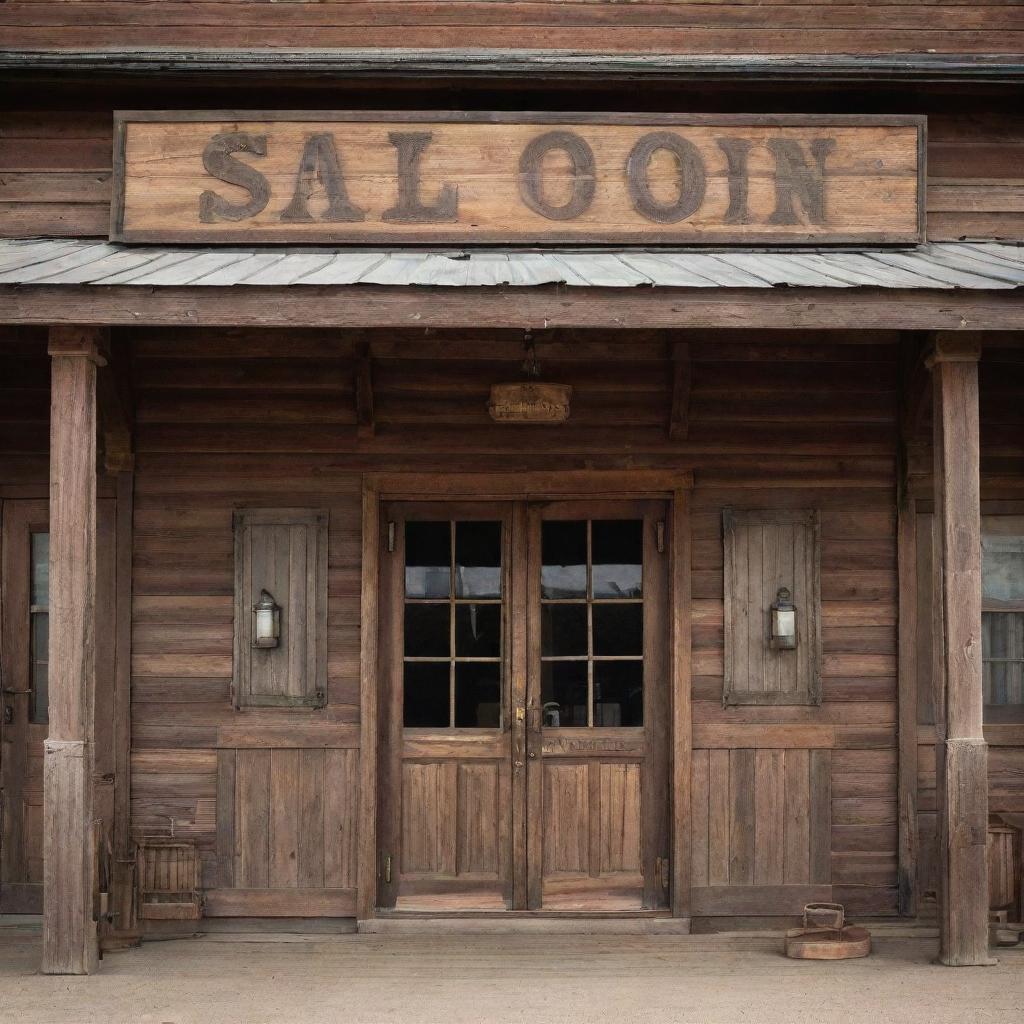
<point>598,706</point>
<point>24,692</point>
<point>445,800</point>
<point>24,590</point>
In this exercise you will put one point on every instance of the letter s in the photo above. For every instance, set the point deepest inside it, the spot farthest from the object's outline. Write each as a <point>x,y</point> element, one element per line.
<point>217,159</point>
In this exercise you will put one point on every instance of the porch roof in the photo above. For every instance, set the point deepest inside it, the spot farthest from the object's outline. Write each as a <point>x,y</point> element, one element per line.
<point>978,266</point>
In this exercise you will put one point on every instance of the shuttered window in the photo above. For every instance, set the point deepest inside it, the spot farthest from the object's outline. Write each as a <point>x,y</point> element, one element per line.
<point>1003,617</point>
<point>281,554</point>
<point>765,552</point>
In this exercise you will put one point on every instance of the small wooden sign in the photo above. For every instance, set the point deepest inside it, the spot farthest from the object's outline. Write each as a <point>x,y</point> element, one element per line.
<point>530,402</point>
<point>241,178</point>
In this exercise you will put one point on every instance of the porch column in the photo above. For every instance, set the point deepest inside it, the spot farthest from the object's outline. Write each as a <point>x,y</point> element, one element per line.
<point>961,751</point>
<point>69,931</point>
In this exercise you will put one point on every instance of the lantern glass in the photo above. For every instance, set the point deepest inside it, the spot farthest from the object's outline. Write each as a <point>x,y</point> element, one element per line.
<point>266,622</point>
<point>783,622</point>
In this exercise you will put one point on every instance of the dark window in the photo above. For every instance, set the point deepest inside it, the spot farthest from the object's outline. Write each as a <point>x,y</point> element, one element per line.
<point>592,631</point>
<point>1003,614</point>
<point>452,635</point>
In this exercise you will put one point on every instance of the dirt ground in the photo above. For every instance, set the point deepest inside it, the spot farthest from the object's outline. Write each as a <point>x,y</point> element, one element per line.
<point>478,979</point>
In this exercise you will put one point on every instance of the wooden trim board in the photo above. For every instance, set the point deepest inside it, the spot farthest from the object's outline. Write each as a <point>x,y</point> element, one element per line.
<point>538,307</point>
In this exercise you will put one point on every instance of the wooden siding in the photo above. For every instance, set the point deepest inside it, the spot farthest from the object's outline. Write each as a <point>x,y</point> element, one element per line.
<point>55,166</point>
<point>868,26</point>
<point>792,421</point>
<point>785,420</point>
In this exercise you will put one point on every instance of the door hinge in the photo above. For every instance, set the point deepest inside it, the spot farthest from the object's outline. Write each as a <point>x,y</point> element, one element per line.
<point>387,870</point>
<point>391,538</point>
<point>659,533</point>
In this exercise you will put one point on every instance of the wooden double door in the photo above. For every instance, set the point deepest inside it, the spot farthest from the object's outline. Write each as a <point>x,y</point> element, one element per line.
<point>525,712</point>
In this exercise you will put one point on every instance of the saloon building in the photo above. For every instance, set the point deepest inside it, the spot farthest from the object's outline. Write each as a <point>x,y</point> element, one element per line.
<point>478,481</point>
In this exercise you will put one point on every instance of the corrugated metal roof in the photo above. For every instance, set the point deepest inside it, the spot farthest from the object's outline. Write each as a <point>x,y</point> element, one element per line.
<point>61,261</point>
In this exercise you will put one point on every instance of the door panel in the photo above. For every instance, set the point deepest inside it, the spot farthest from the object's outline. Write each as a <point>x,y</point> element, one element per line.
<point>446,821</point>
<point>597,695</point>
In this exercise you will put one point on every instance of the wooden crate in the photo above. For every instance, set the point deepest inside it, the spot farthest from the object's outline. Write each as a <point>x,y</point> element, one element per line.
<point>1004,868</point>
<point>169,880</point>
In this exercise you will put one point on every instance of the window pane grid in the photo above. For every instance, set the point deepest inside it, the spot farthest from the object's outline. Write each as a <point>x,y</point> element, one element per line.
<point>1003,658</point>
<point>625,576</point>
<point>39,629</point>
<point>462,581</point>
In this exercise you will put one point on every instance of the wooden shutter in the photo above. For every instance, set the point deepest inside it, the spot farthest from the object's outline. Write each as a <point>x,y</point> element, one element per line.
<point>766,550</point>
<point>283,551</point>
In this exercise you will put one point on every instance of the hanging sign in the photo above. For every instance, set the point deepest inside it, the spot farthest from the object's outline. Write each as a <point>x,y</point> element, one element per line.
<point>521,179</point>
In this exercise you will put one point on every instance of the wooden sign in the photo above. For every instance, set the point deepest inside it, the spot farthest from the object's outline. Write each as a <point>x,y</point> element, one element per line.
<point>610,179</point>
<point>530,402</point>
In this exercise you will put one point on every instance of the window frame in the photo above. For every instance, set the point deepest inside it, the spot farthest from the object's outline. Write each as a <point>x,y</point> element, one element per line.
<point>998,714</point>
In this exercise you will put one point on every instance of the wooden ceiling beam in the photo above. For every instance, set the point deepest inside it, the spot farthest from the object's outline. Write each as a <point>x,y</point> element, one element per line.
<point>682,381</point>
<point>113,397</point>
<point>366,427</point>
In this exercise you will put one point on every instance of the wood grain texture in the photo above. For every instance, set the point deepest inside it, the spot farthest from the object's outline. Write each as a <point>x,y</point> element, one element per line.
<point>581,28</point>
<point>974,190</point>
<point>497,177</point>
<point>284,552</point>
<point>69,932</point>
<point>765,551</point>
<point>962,778</point>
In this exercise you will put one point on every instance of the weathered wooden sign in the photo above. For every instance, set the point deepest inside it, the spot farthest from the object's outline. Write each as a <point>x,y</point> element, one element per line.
<point>516,178</point>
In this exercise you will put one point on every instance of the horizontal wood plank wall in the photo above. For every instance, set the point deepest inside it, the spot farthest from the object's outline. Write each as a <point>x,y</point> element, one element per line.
<point>869,26</point>
<point>24,413</point>
<point>790,420</point>
<point>55,166</point>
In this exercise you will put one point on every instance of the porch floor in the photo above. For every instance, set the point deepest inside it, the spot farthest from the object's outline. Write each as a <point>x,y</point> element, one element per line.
<point>484,978</point>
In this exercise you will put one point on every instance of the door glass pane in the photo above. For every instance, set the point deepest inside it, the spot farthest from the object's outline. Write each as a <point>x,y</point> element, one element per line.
<point>564,693</point>
<point>477,695</point>
<point>428,556</point>
<point>602,621</point>
<point>478,559</point>
<point>39,636</point>
<point>619,629</point>
<point>41,570</point>
<point>460,685</point>
<point>427,687</point>
<point>618,555</point>
<point>427,630</point>
<point>563,630</point>
<point>478,631</point>
<point>40,682</point>
<point>618,693</point>
<point>564,559</point>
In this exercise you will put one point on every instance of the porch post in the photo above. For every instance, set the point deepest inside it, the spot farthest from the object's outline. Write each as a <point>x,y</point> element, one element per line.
<point>961,750</point>
<point>69,931</point>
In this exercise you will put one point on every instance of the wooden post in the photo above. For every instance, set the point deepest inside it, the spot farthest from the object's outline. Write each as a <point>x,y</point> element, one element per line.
<point>69,931</point>
<point>962,753</point>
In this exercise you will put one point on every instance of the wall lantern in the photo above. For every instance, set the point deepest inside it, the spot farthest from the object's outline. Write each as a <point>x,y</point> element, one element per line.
<point>266,621</point>
<point>782,628</point>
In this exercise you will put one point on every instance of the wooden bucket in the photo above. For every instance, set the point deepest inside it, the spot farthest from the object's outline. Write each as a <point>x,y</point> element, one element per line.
<point>826,936</point>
